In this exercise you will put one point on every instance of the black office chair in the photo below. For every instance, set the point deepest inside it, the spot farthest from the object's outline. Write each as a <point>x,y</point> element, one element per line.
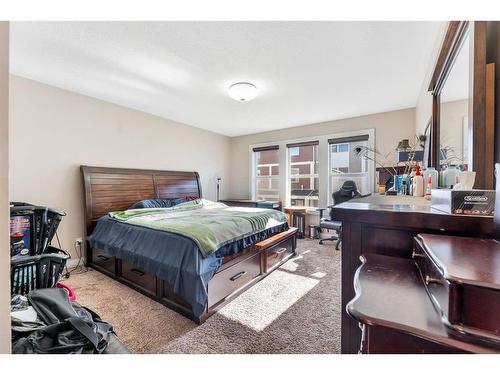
<point>348,191</point>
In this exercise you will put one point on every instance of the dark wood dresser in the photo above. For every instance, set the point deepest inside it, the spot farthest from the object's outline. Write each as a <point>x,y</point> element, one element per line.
<point>382,229</point>
<point>444,300</point>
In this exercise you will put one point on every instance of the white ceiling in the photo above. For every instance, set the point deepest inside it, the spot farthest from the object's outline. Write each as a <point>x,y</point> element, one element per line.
<point>306,72</point>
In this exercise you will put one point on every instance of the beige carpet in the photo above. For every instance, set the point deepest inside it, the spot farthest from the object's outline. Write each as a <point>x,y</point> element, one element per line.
<point>296,309</point>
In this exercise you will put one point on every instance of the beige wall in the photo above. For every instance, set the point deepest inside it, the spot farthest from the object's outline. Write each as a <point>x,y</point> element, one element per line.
<point>451,128</point>
<point>4,191</point>
<point>390,127</point>
<point>54,131</point>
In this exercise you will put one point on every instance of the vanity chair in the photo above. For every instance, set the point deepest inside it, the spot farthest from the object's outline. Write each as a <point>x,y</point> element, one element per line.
<point>348,191</point>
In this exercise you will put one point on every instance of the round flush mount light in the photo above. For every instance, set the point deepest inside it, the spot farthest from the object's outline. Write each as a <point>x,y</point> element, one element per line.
<point>242,91</point>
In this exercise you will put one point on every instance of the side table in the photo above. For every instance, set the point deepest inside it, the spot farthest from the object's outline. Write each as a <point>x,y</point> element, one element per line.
<point>297,218</point>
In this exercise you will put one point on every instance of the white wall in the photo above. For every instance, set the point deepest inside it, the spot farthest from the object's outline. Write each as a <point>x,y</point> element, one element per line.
<point>390,127</point>
<point>4,191</point>
<point>54,131</point>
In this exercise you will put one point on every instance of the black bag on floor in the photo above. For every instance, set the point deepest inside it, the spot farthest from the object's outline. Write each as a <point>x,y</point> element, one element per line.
<point>66,328</point>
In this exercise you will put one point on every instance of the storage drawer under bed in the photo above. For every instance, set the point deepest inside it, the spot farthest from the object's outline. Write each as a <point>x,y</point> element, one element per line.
<point>103,260</point>
<point>276,253</point>
<point>233,278</point>
<point>139,277</point>
<point>235,275</point>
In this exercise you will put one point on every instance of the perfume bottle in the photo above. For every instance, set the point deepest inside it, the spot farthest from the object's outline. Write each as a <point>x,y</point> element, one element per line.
<point>428,188</point>
<point>431,172</point>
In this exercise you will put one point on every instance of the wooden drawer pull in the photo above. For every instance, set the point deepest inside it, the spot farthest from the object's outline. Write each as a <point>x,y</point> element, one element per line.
<point>137,272</point>
<point>237,276</point>
<point>282,250</point>
<point>103,257</point>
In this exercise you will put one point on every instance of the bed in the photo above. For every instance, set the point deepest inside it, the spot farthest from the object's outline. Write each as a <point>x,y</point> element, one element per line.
<point>171,267</point>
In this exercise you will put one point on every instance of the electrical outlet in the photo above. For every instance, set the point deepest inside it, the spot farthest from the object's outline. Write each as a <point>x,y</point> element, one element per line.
<point>78,241</point>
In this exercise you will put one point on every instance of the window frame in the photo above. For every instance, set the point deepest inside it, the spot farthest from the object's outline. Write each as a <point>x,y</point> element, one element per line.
<point>269,178</point>
<point>337,145</point>
<point>294,178</point>
<point>346,174</point>
<point>323,168</point>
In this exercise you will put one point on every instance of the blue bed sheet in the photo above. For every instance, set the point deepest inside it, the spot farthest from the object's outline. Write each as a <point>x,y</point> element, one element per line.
<point>170,256</point>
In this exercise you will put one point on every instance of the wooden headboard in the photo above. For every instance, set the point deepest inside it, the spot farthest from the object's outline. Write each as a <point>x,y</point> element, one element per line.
<point>114,189</point>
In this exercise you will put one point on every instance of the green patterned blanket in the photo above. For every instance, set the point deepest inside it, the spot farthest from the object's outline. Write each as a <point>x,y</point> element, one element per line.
<point>211,225</point>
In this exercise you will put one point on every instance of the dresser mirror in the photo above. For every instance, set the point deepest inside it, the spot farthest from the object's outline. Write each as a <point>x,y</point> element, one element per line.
<point>455,137</point>
<point>462,134</point>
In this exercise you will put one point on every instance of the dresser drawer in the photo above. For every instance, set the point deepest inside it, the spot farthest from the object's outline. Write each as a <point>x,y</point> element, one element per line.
<point>437,286</point>
<point>478,305</point>
<point>139,277</point>
<point>103,260</point>
<point>276,253</point>
<point>448,266</point>
<point>233,278</point>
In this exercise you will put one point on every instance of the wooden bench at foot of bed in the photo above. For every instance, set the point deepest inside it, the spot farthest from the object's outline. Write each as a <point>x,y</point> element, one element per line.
<point>236,274</point>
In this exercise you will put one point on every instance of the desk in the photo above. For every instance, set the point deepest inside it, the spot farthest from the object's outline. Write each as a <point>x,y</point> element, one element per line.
<point>386,225</point>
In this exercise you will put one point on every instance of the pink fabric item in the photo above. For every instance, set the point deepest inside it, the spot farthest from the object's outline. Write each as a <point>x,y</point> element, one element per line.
<point>71,292</point>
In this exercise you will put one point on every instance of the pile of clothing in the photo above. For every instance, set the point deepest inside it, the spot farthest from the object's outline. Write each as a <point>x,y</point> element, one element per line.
<point>47,322</point>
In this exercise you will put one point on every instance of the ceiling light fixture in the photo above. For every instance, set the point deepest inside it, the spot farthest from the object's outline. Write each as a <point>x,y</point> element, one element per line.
<point>242,91</point>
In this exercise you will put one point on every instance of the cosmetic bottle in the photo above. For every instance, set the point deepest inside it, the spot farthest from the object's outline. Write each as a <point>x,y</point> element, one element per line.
<point>441,177</point>
<point>418,184</point>
<point>431,171</point>
<point>428,188</point>
<point>404,187</point>
<point>450,176</point>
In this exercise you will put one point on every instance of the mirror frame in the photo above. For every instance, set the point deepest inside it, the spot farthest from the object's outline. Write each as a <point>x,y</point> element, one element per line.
<point>456,32</point>
<point>426,162</point>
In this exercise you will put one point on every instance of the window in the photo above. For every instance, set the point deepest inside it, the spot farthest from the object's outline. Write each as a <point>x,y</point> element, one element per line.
<point>303,177</point>
<point>305,172</point>
<point>266,164</point>
<point>342,147</point>
<point>346,164</point>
